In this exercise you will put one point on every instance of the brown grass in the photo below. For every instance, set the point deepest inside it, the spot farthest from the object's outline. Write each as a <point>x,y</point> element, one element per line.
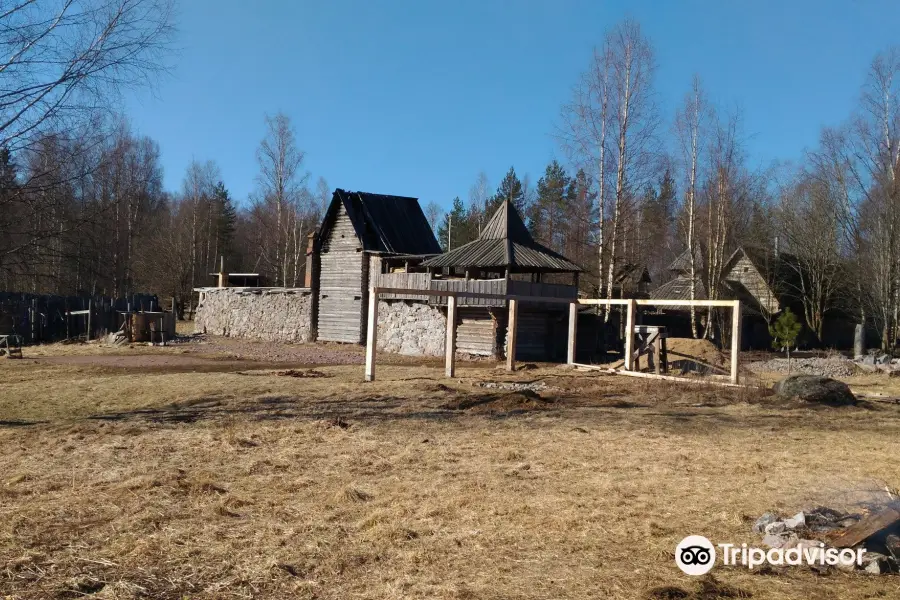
<point>168,484</point>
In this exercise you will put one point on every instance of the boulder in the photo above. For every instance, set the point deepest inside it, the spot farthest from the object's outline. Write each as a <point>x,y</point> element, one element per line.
<point>815,389</point>
<point>798,520</point>
<point>780,541</point>
<point>766,519</point>
<point>775,528</point>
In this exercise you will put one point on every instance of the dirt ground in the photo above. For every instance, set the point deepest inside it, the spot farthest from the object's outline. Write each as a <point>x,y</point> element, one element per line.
<point>205,471</point>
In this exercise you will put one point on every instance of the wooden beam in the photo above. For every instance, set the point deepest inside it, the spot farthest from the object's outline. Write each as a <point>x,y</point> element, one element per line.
<point>573,331</point>
<point>666,302</point>
<point>450,342</point>
<point>735,342</point>
<point>602,301</point>
<point>461,294</point>
<point>371,335</point>
<point>865,528</point>
<point>511,327</point>
<point>629,335</point>
<point>695,381</point>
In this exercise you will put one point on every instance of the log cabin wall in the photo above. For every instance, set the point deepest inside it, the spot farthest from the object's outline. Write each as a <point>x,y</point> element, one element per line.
<point>476,332</point>
<point>342,283</point>
<point>746,273</point>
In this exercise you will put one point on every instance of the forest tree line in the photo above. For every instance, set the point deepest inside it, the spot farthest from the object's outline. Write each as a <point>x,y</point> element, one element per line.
<point>83,208</point>
<point>641,191</point>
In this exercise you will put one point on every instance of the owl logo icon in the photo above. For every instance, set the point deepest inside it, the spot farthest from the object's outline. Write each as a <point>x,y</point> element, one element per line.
<point>695,555</point>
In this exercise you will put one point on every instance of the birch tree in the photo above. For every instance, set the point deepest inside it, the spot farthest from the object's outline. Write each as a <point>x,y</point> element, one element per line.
<point>610,125</point>
<point>634,122</point>
<point>583,133</point>
<point>283,207</point>
<point>689,123</point>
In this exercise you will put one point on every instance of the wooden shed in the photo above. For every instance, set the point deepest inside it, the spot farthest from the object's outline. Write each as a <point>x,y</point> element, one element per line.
<point>506,258</point>
<point>359,229</point>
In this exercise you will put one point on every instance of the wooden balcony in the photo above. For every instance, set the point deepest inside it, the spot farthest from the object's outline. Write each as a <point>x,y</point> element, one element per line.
<point>424,281</point>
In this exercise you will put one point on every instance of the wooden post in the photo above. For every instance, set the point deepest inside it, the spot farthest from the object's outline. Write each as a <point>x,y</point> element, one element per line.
<point>629,335</point>
<point>89,320</point>
<point>222,272</point>
<point>573,330</point>
<point>450,342</point>
<point>511,327</point>
<point>735,341</point>
<point>371,335</point>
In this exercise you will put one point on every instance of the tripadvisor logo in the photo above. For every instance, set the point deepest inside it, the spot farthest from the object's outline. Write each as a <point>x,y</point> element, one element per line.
<point>696,555</point>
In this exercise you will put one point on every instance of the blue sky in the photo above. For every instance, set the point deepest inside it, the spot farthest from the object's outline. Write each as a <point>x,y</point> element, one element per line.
<point>416,97</point>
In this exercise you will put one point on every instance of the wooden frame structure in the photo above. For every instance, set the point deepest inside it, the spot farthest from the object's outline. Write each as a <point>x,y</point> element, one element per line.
<point>514,300</point>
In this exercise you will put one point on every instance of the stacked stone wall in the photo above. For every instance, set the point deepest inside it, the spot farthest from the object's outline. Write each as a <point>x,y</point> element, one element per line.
<point>275,315</point>
<point>413,328</point>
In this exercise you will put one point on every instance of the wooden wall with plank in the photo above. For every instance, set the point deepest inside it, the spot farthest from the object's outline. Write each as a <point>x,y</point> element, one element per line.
<point>745,272</point>
<point>342,283</point>
<point>477,332</point>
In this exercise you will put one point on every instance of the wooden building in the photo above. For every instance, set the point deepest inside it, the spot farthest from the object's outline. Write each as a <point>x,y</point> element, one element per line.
<point>766,282</point>
<point>358,230</point>
<point>505,259</point>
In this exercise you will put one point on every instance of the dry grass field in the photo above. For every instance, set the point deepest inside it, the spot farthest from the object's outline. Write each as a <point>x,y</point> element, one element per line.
<point>185,476</point>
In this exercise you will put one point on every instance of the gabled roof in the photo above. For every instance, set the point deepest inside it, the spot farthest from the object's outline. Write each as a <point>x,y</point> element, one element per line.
<point>391,224</point>
<point>680,289</point>
<point>505,243</point>
<point>633,273</point>
<point>682,264</point>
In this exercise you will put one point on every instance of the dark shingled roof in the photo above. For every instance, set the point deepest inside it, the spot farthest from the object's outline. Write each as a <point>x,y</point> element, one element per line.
<point>505,243</point>
<point>682,263</point>
<point>391,224</point>
<point>679,289</point>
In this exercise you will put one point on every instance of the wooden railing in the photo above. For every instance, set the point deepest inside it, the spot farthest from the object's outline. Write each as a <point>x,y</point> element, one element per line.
<point>410,281</point>
<point>424,281</point>
<point>475,286</point>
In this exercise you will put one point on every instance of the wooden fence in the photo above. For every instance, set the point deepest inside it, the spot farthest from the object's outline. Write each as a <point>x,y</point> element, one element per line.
<point>47,318</point>
<point>631,305</point>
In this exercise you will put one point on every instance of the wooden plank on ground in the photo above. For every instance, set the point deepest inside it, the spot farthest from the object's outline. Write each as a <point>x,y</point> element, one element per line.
<point>866,528</point>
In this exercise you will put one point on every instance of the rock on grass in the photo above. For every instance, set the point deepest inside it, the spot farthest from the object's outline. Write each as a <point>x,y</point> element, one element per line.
<point>816,389</point>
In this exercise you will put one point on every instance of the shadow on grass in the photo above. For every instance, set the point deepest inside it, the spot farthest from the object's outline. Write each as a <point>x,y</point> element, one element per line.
<point>19,423</point>
<point>368,409</point>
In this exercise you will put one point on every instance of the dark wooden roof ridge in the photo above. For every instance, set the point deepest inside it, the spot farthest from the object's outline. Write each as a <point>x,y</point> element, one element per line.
<point>384,223</point>
<point>505,242</point>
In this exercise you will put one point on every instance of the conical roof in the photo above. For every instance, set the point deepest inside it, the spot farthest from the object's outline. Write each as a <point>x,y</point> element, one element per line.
<point>505,243</point>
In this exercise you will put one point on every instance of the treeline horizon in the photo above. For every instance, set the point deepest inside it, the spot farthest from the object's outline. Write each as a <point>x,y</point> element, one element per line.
<point>83,208</point>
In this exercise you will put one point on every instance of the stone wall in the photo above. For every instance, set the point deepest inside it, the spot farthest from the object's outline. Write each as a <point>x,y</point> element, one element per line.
<point>409,327</point>
<point>275,315</point>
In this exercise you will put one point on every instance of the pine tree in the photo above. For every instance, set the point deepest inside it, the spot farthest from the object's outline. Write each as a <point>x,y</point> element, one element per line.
<point>580,217</point>
<point>458,222</point>
<point>226,221</point>
<point>547,216</point>
<point>510,189</point>
<point>657,219</point>
<point>784,333</point>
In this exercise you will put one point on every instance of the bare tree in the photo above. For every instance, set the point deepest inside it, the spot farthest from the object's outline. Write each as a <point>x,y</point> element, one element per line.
<point>864,161</point>
<point>810,224</point>
<point>434,213</point>
<point>634,121</point>
<point>723,190</point>
<point>323,194</point>
<point>63,60</point>
<point>479,194</point>
<point>689,124</point>
<point>583,133</point>
<point>196,206</point>
<point>282,203</point>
